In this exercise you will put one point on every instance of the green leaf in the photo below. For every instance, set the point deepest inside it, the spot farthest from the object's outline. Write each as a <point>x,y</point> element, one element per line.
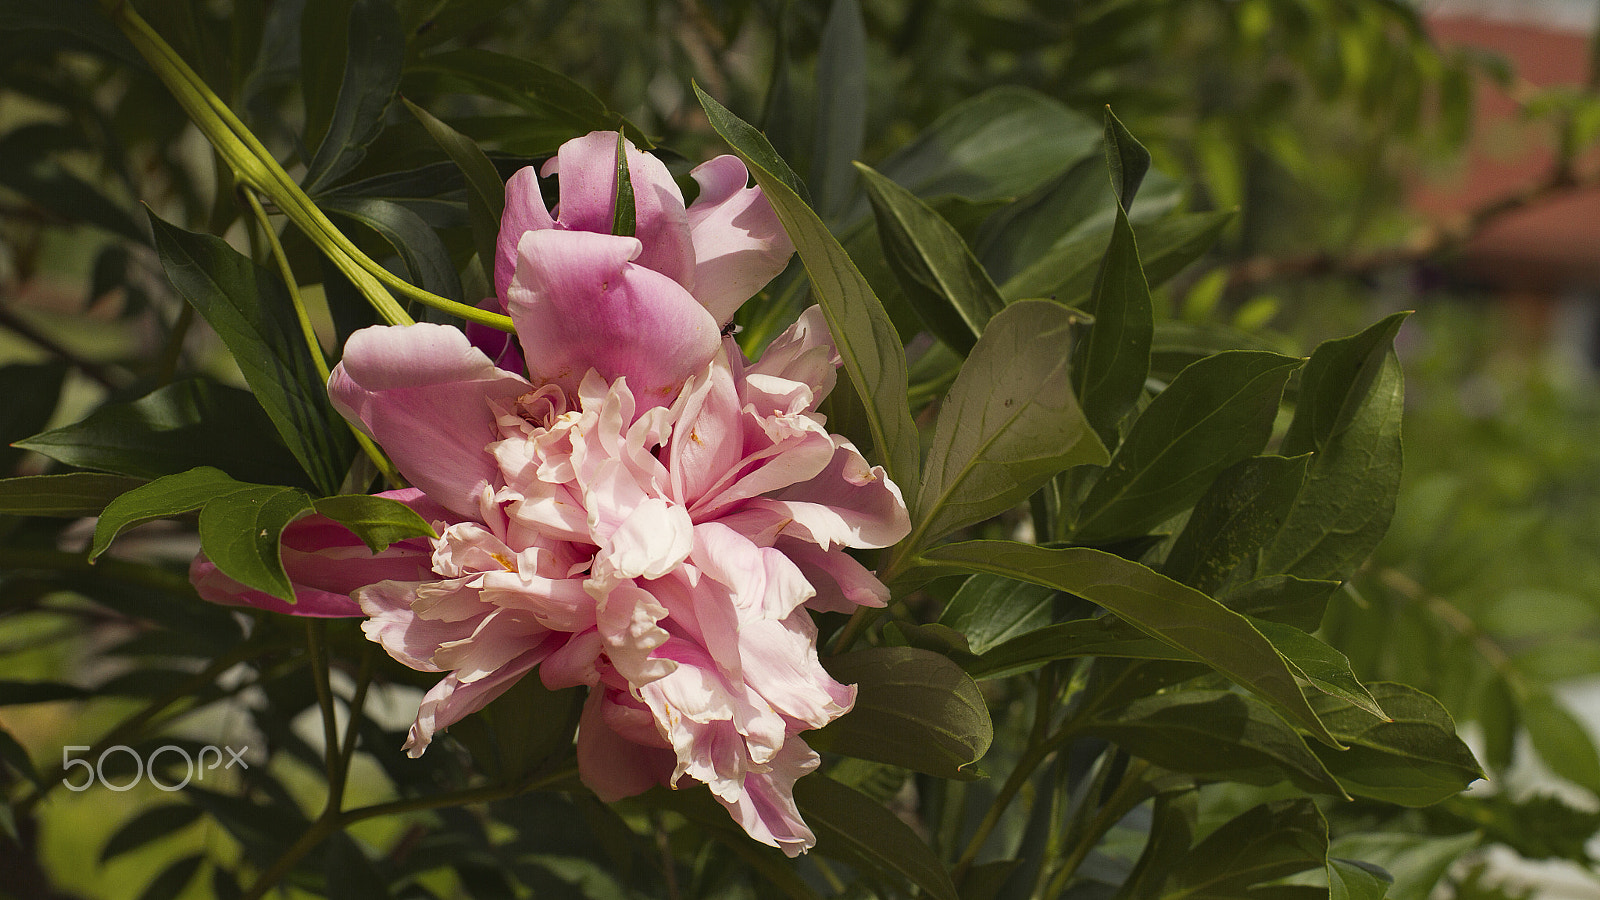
<point>172,880</point>
<point>240,533</point>
<point>426,258</point>
<point>32,393</point>
<point>998,145</point>
<point>240,524</point>
<point>851,826</point>
<point>486,193</point>
<point>1234,518</point>
<point>1171,834</point>
<point>1415,759</point>
<point>1215,735</point>
<point>944,281</point>
<point>174,429</point>
<point>30,164</point>
<point>545,93</point>
<point>991,610</point>
<point>18,693</point>
<point>77,21</point>
<point>163,498</point>
<point>624,215</point>
<point>914,709</point>
<point>1281,598</point>
<point>1319,665</point>
<point>1127,159</point>
<point>1217,412</point>
<point>1349,415</point>
<point>1158,606</point>
<point>1007,425</point>
<point>15,755</point>
<point>149,825</point>
<point>1417,862</point>
<point>1067,272</point>
<point>866,339</point>
<point>1541,826</point>
<point>1561,740</point>
<point>66,496</point>
<point>1353,880</point>
<point>250,310</point>
<point>841,107</point>
<point>1268,842</point>
<point>371,76</point>
<point>348,872</point>
<point>1112,365</point>
<point>378,521</point>
<point>1107,636</point>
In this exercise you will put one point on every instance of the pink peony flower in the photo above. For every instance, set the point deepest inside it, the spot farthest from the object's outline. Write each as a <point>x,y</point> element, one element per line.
<point>646,513</point>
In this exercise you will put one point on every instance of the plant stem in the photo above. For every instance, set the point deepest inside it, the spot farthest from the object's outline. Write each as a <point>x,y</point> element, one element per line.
<point>1130,792</point>
<point>317,653</point>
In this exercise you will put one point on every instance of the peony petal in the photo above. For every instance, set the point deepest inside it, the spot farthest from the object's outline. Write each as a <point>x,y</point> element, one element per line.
<point>588,170</point>
<point>409,638</point>
<point>423,392</point>
<point>765,804</point>
<point>611,765</point>
<point>849,503</point>
<point>524,212</point>
<point>841,583</point>
<point>579,303</point>
<point>739,244</point>
<point>450,701</point>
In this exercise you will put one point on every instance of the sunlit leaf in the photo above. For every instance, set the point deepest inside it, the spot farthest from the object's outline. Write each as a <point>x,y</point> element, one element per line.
<point>1235,518</point>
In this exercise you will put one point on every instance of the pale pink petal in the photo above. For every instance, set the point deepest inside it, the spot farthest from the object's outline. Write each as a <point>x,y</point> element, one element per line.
<point>796,370</point>
<point>765,584</point>
<point>849,503</point>
<point>409,638</point>
<point>579,303</point>
<point>588,170</point>
<point>765,806</point>
<point>524,212</point>
<point>708,439</point>
<point>500,637</point>
<point>450,700</point>
<point>423,393</point>
<point>841,583</point>
<point>739,244</point>
<point>654,538</point>
<point>781,664</point>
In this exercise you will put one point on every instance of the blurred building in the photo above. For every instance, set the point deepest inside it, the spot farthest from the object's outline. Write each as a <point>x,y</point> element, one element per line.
<point>1543,256</point>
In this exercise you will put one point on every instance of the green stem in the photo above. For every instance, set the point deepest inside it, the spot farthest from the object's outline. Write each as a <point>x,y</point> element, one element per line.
<point>1039,749</point>
<point>255,167</point>
<point>317,651</point>
<point>1130,792</point>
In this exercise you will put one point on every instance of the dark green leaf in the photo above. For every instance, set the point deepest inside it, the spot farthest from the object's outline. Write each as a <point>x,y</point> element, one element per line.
<point>418,244</point>
<point>541,91</point>
<point>1217,412</point>
<point>149,825</point>
<point>945,283</point>
<point>77,21</point>
<point>1268,842</point>
<point>624,215</point>
<point>67,496</point>
<point>31,395</point>
<point>851,826</point>
<point>1353,880</point>
<point>914,709</point>
<point>1157,605</point>
<point>1541,826</point>
<point>1282,598</point>
<point>1066,272</point>
<point>1242,510</point>
<point>990,610</point>
<point>15,755</point>
<point>1112,364</point>
<point>163,498</point>
<point>371,76</point>
<point>1127,159</point>
<point>250,310</point>
<point>29,165</point>
<point>1349,414</point>
<point>1000,144</point>
<point>866,339</point>
<point>173,879</point>
<point>240,533</point>
<point>1415,759</point>
<point>1007,425</point>
<point>378,521</point>
<point>349,873</point>
<point>841,108</point>
<point>1319,665</point>
<point>1417,862</point>
<point>174,429</point>
<point>486,193</point>
<point>1108,636</point>
<point>16,693</point>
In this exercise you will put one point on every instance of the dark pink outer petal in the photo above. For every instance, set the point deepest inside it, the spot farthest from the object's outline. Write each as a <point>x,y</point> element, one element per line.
<point>616,765</point>
<point>739,244</point>
<point>579,303</point>
<point>524,212</point>
<point>588,170</point>
<point>326,563</point>
<point>423,393</point>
